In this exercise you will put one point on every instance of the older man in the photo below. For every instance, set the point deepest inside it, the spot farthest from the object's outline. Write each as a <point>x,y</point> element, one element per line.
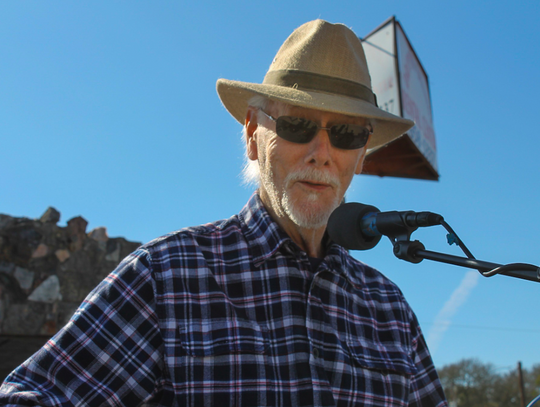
<point>261,309</point>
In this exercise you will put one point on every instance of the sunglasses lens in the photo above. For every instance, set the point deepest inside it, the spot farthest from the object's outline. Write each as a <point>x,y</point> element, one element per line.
<point>349,136</point>
<point>344,136</point>
<point>295,129</point>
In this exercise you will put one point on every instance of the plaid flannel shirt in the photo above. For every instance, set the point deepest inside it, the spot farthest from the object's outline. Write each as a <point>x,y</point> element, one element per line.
<point>231,314</point>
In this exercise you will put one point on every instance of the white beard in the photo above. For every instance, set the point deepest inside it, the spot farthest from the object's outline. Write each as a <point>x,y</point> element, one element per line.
<point>307,214</point>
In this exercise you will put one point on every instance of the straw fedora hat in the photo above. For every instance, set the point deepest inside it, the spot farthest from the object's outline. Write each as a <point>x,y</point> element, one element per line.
<point>320,66</point>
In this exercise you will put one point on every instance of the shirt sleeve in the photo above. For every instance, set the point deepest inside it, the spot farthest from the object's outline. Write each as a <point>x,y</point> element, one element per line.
<point>426,388</point>
<point>110,352</point>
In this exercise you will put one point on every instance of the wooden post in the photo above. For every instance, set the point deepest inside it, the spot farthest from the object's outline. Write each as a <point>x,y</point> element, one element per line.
<point>521,385</point>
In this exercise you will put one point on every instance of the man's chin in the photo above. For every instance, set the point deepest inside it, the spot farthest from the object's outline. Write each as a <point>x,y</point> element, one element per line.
<point>310,215</point>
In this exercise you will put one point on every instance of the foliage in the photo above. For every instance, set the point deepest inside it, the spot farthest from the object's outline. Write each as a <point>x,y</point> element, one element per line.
<point>471,383</point>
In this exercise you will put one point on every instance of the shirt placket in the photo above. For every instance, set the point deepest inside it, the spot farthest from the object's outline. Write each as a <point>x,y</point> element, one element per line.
<point>315,316</point>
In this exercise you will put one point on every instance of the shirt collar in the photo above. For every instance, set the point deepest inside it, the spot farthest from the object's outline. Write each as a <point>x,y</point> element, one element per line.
<point>337,258</point>
<point>265,237</point>
<point>263,234</point>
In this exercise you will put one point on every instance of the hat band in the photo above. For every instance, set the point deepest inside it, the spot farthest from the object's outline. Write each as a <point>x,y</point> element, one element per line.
<point>319,83</point>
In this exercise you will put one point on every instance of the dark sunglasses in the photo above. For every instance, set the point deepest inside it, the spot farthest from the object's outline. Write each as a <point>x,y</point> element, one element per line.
<point>302,131</point>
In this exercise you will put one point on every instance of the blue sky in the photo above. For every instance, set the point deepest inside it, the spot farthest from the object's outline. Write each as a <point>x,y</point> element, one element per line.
<point>108,110</point>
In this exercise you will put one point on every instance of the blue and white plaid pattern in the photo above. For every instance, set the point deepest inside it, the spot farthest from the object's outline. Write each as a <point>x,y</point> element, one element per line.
<point>231,314</point>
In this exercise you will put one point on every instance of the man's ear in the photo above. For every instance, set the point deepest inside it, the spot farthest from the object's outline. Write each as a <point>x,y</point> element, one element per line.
<point>251,140</point>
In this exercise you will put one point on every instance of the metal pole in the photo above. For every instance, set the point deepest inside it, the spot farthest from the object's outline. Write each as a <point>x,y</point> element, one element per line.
<point>474,264</point>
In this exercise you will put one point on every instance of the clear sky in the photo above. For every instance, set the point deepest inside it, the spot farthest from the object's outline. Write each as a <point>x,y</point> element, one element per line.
<point>108,110</point>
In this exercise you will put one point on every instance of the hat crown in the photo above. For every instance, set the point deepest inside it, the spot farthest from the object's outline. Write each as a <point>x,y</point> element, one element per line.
<point>323,48</point>
<point>321,66</point>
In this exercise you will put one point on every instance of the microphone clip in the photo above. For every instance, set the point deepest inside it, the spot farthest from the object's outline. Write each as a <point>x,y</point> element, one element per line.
<point>397,226</point>
<point>407,250</point>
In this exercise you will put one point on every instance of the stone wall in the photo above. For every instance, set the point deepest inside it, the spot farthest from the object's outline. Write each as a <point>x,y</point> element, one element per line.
<point>47,270</point>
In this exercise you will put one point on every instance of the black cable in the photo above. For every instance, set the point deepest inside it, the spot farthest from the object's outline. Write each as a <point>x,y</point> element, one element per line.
<point>497,270</point>
<point>511,267</point>
<point>459,242</point>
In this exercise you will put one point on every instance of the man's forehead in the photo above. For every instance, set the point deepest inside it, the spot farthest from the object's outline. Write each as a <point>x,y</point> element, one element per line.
<point>282,109</point>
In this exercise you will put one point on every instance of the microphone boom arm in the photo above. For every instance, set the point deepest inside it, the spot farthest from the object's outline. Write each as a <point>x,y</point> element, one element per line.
<point>415,252</point>
<point>357,226</point>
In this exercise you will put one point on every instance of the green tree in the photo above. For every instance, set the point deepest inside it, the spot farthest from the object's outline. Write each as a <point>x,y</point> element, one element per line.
<point>532,382</point>
<point>471,383</point>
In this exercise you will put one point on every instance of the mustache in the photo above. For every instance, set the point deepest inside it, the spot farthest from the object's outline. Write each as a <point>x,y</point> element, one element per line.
<point>313,175</point>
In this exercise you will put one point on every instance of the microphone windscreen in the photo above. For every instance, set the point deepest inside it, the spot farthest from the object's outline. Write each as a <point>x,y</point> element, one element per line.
<point>345,226</point>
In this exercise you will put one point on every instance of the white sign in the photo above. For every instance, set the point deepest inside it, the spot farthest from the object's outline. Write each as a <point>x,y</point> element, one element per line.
<point>401,84</point>
<point>381,58</point>
<point>415,98</point>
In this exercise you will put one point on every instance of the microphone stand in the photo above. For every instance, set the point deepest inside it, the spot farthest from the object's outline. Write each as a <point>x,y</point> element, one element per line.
<point>415,252</point>
<point>360,227</point>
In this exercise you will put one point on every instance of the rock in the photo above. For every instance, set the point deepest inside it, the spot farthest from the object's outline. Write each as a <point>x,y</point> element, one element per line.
<point>51,215</point>
<point>24,277</point>
<point>62,255</point>
<point>76,229</point>
<point>77,226</point>
<point>24,319</point>
<point>41,251</point>
<point>6,267</point>
<point>19,241</point>
<point>99,234</point>
<point>10,291</point>
<point>65,312</point>
<point>78,274</point>
<point>47,291</point>
<point>113,251</point>
<point>6,221</point>
<point>49,328</point>
<point>126,247</point>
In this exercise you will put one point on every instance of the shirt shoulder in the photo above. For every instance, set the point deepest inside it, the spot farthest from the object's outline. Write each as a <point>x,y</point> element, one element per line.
<point>195,235</point>
<point>249,236</point>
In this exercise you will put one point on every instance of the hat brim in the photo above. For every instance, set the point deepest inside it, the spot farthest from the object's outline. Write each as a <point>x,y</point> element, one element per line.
<point>386,127</point>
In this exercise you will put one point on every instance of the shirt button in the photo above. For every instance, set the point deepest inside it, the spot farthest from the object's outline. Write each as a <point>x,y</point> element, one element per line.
<point>316,353</point>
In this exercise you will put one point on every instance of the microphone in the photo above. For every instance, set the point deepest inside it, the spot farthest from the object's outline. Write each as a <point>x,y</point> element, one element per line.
<point>356,226</point>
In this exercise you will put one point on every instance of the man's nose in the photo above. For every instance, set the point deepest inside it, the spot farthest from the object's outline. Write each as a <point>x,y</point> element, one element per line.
<point>320,148</point>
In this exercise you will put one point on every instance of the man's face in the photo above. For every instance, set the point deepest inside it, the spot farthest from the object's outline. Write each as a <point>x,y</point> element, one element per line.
<point>303,183</point>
